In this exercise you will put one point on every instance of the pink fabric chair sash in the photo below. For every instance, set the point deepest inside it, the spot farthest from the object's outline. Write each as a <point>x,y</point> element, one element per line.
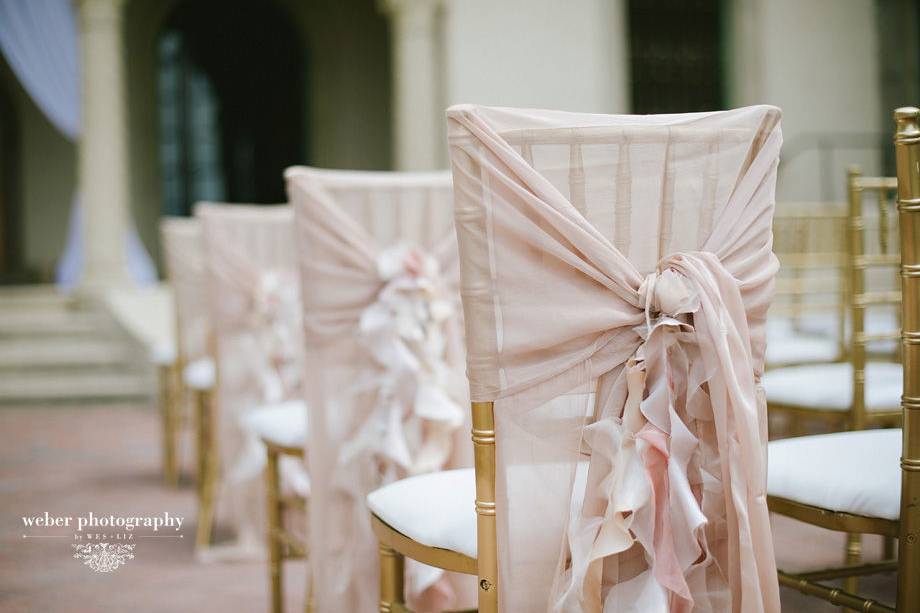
<point>263,305</point>
<point>255,307</point>
<point>673,516</point>
<point>384,369</point>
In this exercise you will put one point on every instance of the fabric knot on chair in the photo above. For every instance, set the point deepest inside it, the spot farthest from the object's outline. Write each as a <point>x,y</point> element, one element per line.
<point>664,293</point>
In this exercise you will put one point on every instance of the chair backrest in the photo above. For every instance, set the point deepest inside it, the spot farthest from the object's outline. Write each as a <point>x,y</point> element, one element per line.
<point>810,241</point>
<point>377,260</point>
<point>872,295</point>
<point>609,266</point>
<point>907,146</point>
<point>254,296</point>
<point>183,250</point>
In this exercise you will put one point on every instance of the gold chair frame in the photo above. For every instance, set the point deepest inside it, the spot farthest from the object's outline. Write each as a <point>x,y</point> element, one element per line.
<point>282,545</point>
<point>170,398</point>
<point>395,546</point>
<point>207,452</point>
<point>859,298</point>
<point>856,301</point>
<point>907,529</point>
<point>856,262</point>
<point>207,463</point>
<point>803,235</point>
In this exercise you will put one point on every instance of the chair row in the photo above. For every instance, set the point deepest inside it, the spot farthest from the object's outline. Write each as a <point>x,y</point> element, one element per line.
<point>609,299</point>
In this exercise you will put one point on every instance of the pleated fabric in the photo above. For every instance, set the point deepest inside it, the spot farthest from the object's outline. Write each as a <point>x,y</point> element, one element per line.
<point>384,366</point>
<point>616,273</point>
<point>254,300</point>
<point>183,255</point>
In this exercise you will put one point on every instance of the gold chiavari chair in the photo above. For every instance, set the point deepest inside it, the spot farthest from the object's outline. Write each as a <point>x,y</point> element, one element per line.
<point>808,316</point>
<point>429,518</point>
<point>194,373</point>
<point>372,243</point>
<point>849,481</point>
<point>254,301</point>
<point>856,391</point>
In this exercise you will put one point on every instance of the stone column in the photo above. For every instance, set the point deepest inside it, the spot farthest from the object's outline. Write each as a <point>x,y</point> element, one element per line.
<point>418,120</point>
<point>102,152</point>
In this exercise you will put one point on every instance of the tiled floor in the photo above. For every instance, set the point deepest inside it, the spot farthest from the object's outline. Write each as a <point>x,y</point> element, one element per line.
<point>72,461</point>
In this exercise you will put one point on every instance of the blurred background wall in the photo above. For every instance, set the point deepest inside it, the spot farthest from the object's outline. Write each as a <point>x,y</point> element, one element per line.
<point>221,95</point>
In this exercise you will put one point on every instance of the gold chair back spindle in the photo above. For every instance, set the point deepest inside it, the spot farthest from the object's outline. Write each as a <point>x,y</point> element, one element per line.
<point>907,147</point>
<point>861,297</point>
<point>809,239</point>
<point>857,349</point>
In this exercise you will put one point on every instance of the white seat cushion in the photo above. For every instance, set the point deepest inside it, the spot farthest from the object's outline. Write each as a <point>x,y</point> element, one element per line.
<point>849,472</point>
<point>830,386</point>
<point>802,349</point>
<point>439,509</point>
<point>813,337</point>
<point>162,353</point>
<point>436,509</point>
<point>200,374</point>
<point>283,424</point>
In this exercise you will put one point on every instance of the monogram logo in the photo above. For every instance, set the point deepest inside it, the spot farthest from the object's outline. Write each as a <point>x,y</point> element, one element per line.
<point>103,557</point>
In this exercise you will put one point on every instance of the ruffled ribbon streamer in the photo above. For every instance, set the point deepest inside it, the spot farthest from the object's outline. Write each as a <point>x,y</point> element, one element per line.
<point>655,507</point>
<point>272,355</point>
<point>411,427</point>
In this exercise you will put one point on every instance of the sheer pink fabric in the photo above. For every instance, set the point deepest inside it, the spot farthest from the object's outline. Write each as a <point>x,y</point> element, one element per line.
<point>616,273</point>
<point>185,267</point>
<point>384,366</point>
<point>255,310</point>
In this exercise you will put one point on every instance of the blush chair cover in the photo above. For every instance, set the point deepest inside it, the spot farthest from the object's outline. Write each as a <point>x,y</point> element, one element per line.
<point>616,273</point>
<point>254,300</point>
<point>384,370</point>
<point>183,247</point>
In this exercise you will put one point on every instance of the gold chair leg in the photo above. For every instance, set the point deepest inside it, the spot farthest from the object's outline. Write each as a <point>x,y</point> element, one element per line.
<point>392,578</point>
<point>309,604</point>
<point>853,557</point>
<point>483,435</point>
<point>168,412</point>
<point>207,466</point>
<point>201,451</point>
<point>273,496</point>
